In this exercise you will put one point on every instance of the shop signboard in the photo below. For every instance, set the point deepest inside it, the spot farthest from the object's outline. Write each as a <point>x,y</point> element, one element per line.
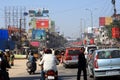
<point>115,32</point>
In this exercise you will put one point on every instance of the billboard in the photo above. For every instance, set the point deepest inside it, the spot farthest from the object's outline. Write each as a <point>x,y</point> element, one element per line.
<point>101,21</point>
<point>105,21</point>
<point>38,34</point>
<point>108,20</point>
<point>42,23</point>
<point>39,13</point>
<point>4,34</point>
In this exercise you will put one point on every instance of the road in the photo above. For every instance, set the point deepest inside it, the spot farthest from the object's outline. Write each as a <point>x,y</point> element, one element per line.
<point>18,72</point>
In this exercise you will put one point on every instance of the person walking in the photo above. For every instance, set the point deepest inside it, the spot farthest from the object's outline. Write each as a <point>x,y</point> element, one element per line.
<point>82,65</point>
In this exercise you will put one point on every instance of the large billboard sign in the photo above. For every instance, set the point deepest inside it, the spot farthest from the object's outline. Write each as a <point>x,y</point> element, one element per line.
<point>42,23</point>
<point>38,35</point>
<point>38,13</point>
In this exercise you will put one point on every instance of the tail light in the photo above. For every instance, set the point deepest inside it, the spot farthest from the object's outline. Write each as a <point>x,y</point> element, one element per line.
<point>95,62</point>
<point>50,73</point>
<point>68,58</point>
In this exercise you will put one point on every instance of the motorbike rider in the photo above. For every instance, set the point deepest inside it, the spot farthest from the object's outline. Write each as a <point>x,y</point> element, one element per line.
<point>33,60</point>
<point>48,62</point>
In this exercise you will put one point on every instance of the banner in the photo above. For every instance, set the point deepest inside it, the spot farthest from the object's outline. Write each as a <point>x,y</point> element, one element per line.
<point>101,21</point>
<point>105,21</point>
<point>42,24</point>
<point>115,32</point>
<point>35,43</point>
<point>108,20</point>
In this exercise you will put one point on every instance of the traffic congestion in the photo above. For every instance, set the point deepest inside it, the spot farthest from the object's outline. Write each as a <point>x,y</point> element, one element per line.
<point>59,40</point>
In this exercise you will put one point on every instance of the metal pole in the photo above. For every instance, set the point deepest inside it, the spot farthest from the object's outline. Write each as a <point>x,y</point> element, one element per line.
<point>20,32</point>
<point>91,17</point>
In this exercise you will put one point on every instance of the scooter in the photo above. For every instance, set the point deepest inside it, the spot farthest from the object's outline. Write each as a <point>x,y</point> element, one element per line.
<point>31,67</point>
<point>51,75</point>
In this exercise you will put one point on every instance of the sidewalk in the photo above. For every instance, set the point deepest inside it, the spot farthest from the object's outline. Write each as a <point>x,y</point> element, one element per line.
<point>19,68</point>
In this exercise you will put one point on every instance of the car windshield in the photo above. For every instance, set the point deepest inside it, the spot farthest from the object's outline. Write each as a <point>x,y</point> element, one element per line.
<point>73,52</point>
<point>109,54</point>
<point>92,48</point>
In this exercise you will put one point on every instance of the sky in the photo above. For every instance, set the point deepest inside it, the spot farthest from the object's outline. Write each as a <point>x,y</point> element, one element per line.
<point>71,16</point>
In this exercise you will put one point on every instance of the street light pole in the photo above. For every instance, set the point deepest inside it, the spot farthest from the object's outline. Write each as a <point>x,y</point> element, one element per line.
<point>91,17</point>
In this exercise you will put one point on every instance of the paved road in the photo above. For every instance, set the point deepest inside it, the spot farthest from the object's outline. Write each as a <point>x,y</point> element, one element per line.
<point>18,72</point>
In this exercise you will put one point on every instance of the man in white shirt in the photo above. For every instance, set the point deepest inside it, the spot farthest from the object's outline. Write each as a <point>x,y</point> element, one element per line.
<point>48,62</point>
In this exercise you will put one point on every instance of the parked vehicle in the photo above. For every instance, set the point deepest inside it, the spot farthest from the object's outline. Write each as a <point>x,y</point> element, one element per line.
<point>105,62</point>
<point>71,56</point>
<point>51,75</point>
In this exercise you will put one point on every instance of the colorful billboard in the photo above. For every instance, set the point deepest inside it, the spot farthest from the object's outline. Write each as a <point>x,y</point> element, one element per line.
<point>42,23</point>
<point>108,20</point>
<point>101,21</point>
<point>105,21</point>
<point>38,34</point>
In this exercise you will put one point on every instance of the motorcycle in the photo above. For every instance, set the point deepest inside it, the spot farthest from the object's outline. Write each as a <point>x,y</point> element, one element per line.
<point>31,67</point>
<point>51,75</point>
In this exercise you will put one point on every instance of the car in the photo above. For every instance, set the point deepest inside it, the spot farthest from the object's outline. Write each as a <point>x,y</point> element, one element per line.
<point>71,56</point>
<point>104,63</point>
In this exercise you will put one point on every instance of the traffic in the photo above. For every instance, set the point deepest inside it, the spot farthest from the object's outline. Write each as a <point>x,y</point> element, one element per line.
<point>59,40</point>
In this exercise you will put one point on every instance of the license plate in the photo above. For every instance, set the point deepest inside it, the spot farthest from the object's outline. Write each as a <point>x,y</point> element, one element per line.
<point>112,73</point>
<point>51,77</point>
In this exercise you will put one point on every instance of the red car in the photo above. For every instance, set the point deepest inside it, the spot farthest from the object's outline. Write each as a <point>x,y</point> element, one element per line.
<point>71,56</point>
